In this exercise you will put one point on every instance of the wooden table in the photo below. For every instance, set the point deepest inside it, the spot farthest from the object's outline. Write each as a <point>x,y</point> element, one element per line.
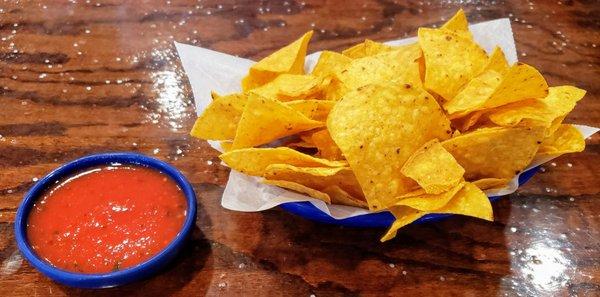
<point>96,76</point>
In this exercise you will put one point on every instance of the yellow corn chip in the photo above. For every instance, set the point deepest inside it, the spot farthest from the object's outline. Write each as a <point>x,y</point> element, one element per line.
<point>299,188</point>
<point>265,120</point>
<point>335,89</point>
<point>421,62</point>
<point>521,81</point>
<point>469,201</point>
<point>288,59</point>
<point>403,61</point>
<point>566,139</point>
<point>491,183</point>
<point>467,122</point>
<point>363,71</point>
<point>330,63</point>
<point>316,177</point>
<point>220,119</point>
<point>326,146</point>
<point>226,145</point>
<point>307,136</point>
<point>559,102</point>
<point>287,87</point>
<point>555,125</point>
<point>380,126</point>
<point>422,201</point>
<point>339,196</point>
<point>399,64</point>
<point>474,94</point>
<point>317,110</point>
<point>404,216</point>
<point>254,161</point>
<point>365,49</point>
<point>491,89</point>
<point>451,60</point>
<point>458,24</point>
<point>495,152</point>
<point>497,61</point>
<point>433,168</point>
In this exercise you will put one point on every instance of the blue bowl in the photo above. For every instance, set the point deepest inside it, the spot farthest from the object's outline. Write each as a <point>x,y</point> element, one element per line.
<point>382,219</point>
<point>111,279</point>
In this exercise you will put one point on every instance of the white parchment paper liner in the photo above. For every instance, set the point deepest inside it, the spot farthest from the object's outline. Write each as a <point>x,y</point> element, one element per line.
<point>209,70</point>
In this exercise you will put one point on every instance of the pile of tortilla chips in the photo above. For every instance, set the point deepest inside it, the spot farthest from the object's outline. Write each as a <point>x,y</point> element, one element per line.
<point>414,129</point>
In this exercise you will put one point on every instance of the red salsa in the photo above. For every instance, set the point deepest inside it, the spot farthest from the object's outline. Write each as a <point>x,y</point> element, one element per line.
<point>106,219</point>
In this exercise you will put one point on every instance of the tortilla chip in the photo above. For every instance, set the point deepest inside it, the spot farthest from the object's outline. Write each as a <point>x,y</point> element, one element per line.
<point>433,168</point>
<point>226,145</point>
<point>265,120</point>
<point>555,125</point>
<point>317,110</point>
<point>287,87</point>
<point>491,183</point>
<point>330,63</point>
<point>326,146</point>
<point>403,61</point>
<point>380,126</point>
<point>299,188</point>
<point>420,200</point>
<point>469,201</point>
<point>458,24</point>
<point>364,71</point>
<point>307,136</point>
<point>334,90</point>
<point>495,152</point>
<point>497,61</point>
<point>220,119</point>
<point>339,196</point>
<point>566,139</point>
<point>451,60</point>
<point>469,121</point>
<point>288,59</point>
<point>474,94</point>
<point>254,161</point>
<point>521,81</point>
<point>404,216</point>
<point>317,178</point>
<point>399,64</point>
<point>491,89</point>
<point>559,102</point>
<point>366,49</point>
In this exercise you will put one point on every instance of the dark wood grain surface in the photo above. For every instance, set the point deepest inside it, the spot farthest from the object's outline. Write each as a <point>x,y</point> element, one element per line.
<point>80,77</point>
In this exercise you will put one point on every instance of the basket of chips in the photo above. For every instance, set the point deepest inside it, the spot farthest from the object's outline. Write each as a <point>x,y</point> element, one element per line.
<point>382,134</point>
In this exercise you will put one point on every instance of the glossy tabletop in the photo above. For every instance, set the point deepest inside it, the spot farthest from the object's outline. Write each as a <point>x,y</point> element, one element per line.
<point>80,77</point>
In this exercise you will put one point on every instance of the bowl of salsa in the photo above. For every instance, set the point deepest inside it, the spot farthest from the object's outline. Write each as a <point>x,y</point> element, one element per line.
<point>105,219</point>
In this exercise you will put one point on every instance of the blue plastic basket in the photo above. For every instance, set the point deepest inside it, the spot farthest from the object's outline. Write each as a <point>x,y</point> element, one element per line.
<point>373,220</point>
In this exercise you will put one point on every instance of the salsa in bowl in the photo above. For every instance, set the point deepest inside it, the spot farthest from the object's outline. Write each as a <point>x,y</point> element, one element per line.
<point>106,219</point>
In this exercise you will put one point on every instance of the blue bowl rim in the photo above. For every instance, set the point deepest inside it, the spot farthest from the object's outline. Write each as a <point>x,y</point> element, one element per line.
<point>118,277</point>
